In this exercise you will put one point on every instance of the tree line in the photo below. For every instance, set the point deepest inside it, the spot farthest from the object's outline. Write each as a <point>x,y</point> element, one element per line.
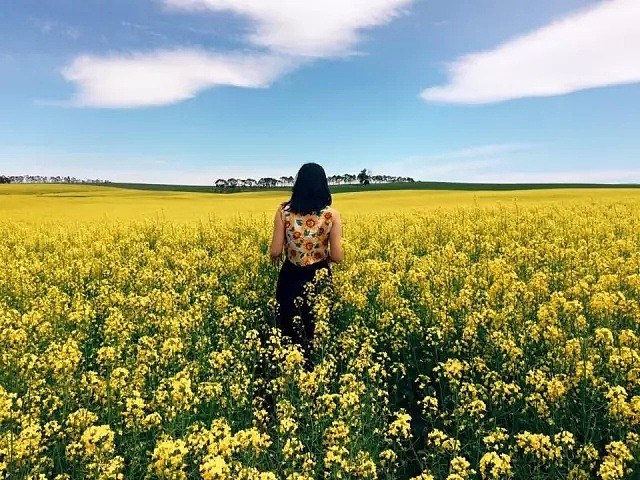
<point>363,178</point>
<point>45,179</point>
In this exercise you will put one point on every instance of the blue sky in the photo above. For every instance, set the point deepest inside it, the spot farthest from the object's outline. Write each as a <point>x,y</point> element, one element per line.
<point>186,91</point>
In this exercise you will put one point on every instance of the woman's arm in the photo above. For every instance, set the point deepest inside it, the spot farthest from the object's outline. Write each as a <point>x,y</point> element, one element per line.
<point>277,241</point>
<point>336,254</point>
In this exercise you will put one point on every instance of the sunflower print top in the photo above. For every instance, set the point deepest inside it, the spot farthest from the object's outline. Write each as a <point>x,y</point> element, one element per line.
<point>307,236</point>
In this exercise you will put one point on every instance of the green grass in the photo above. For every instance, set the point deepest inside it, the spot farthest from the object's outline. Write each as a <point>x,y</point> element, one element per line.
<point>379,186</point>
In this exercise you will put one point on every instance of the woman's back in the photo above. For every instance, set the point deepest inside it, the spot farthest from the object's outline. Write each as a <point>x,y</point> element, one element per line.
<point>307,236</point>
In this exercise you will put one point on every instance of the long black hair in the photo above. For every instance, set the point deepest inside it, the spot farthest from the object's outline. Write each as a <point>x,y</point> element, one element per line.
<point>310,191</point>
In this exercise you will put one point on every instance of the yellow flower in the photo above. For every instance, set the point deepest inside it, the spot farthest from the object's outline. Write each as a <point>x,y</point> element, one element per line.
<point>401,427</point>
<point>97,440</point>
<point>167,459</point>
<point>495,466</point>
<point>613,463</point>
<point>214,467</point>
<point>460,469</point>
<point>440,441</point>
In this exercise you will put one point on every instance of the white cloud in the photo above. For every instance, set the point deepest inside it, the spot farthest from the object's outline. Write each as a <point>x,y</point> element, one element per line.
<point>310,28</point>
<point>288,33</point>
<point>165,76</point>
<point>595,47</point>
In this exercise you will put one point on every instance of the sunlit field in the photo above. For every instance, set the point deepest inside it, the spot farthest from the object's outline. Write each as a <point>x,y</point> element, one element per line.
<point>467,335</point>
<point>37,204</point>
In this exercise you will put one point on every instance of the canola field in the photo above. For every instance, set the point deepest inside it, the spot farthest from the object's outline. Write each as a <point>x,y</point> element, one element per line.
<point>486,335</point>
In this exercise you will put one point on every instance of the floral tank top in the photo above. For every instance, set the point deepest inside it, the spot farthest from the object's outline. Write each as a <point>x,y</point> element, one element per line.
<point>307,236</point>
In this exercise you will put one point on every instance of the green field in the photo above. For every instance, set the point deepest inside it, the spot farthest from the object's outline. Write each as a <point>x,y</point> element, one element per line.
<point>458,186</point>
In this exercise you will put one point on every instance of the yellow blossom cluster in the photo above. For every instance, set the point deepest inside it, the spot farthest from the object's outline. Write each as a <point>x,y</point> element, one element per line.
<point>479,342</point>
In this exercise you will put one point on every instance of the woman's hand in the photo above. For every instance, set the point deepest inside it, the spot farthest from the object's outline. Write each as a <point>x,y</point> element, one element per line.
<point>277,242</point>
<point>336,253</point>
<point>276,259</point>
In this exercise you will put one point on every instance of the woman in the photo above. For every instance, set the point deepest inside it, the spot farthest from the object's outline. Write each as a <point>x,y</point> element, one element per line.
<point>309,231</point>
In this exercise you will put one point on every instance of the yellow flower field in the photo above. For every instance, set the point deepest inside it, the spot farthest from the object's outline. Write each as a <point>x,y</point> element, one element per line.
<point>484,335</point>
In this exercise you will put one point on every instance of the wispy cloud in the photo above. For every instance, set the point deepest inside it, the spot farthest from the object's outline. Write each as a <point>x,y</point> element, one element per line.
<point>456,165</point>
<point>595,47</point>
<point>567,176</point>
<point>166,76</point>
<point>52,26</point>
<point>145,29</point>
<point>479,151</point>
<point>499,163</point>
<point>6,58</point>
<point>285,35</point>
<point>310,28</point>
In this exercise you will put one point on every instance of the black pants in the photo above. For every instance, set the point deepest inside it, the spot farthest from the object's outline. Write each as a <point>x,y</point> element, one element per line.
<point>291,282</point>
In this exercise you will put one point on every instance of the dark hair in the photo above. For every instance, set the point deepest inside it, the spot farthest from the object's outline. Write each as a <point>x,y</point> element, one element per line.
<point>310,191</point>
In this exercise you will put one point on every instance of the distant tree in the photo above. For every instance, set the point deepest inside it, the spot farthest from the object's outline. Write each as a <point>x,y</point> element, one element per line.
<point>250,182</point>
<point>4,179</point>
<point>364,177</point>
<point>221,182</point>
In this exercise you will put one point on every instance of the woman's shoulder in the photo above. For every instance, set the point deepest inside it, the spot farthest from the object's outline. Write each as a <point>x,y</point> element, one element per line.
<point>330,213</point>
<point>333,210</point>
